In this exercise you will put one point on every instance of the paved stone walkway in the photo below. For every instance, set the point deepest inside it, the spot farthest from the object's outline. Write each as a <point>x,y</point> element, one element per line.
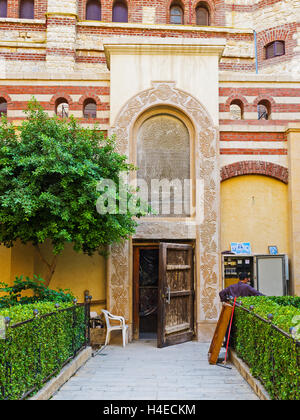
<point>141,371</point>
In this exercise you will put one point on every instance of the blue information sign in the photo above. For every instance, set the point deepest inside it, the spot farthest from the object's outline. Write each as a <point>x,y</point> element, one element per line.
<point>240,247</point>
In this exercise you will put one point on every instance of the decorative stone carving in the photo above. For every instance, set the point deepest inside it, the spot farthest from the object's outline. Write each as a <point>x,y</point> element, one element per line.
<point>206,168</point>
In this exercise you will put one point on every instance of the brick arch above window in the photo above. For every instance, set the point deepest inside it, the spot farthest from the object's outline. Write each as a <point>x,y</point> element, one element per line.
<point>264,98</point>
<point>6,97</point>
<point>59,96</point>
<point>249,167</point>
<point>281,33</point>
<point>274,35</point>
<point>239,98</point>
<point>86,97</point>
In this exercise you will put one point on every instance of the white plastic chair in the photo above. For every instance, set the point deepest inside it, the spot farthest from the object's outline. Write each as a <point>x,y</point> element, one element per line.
<point>122,326</point>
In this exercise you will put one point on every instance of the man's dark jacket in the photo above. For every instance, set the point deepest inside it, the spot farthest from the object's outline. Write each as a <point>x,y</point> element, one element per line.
<point>238,290</point>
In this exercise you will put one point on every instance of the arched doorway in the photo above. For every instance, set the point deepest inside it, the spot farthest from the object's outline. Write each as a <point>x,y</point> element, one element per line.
<point>165,98</point>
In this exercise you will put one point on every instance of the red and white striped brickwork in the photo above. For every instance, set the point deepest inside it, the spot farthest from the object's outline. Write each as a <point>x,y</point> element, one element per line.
<point>60,54</point>
<point>250,138</point>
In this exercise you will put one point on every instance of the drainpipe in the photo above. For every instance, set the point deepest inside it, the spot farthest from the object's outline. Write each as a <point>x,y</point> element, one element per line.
<point>255,47</point>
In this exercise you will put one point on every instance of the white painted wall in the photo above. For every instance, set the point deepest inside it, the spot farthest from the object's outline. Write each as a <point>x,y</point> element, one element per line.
<point>133,72</point>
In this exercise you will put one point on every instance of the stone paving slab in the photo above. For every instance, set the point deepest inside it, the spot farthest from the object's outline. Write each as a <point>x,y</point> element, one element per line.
<point>141,371</point>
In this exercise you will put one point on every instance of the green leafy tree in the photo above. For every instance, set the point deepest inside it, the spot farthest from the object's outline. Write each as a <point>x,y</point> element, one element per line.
<point>49,172</point>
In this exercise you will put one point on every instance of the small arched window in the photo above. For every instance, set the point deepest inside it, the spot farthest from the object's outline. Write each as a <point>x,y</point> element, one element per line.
<point>3,107</point>
<point>236,110</point>
<point>3,8</point>
<point>62,108</point>
<point>274,49</point>
<point>27,9</point>
<point>90,109</point>
<point>202,14</point>
<point>176,15</point>
<point>120,11</point>
<point>93,10</point>
<point>264,110</point>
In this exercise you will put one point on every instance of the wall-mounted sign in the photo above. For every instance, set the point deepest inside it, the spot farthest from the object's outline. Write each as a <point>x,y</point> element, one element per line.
<point>240,247</point>
<point>273,250</point>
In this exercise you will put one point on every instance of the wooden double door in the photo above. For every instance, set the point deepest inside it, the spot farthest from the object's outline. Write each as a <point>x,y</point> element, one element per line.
<point>163,289</point>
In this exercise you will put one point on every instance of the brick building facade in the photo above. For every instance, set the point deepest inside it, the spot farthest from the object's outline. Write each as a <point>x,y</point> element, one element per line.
<point>231,68</point>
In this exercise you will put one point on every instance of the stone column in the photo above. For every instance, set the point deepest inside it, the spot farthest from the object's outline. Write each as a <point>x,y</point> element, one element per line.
<point>61,36</point>
<point>293,137</point>
<point>119,282</point>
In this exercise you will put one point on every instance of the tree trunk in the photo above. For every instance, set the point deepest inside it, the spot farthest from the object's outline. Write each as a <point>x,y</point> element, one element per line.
<point>50,266</point>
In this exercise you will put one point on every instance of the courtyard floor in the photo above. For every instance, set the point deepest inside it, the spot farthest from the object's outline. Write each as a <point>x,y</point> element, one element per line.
<point>141,371</point>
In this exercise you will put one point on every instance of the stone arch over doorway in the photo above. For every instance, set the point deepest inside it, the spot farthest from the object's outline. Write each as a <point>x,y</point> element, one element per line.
<point>206,229</point>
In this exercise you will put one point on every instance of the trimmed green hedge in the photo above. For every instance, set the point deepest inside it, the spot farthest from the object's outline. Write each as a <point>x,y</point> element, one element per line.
<point>32,352</point>
<point>272,356</point>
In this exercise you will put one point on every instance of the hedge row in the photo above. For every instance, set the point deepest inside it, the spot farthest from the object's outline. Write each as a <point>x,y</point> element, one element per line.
<point>32,352</point>
<point>272,356</point>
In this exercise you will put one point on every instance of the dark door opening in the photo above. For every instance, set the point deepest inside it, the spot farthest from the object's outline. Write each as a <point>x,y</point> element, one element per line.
<point>148,293</point>
<point>163,294</point>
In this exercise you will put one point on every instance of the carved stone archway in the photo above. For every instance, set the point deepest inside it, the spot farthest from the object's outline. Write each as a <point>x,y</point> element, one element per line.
<point>119,284</point>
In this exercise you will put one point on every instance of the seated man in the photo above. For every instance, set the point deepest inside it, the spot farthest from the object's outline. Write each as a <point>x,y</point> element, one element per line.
<point>240,289</point>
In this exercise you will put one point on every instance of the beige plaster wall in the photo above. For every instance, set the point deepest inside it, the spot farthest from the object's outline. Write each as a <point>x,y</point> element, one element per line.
<point>293,135</point>
<point>5,264</point>
<point>254,208</point>
<point>76,271</point>
<point>134,71</point>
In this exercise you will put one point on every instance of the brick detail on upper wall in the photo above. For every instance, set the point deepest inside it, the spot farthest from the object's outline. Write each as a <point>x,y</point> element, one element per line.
<point>284,33</point>
<point>255,168</point>
<point>162,10</point>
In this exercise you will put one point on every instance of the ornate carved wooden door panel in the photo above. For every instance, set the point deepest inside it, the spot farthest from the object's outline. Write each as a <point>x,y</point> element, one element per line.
<point>175,294</point>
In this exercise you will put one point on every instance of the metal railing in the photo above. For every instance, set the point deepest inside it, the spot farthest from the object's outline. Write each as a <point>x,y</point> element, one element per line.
<point>267,321</point>
<point>273,330</point>
<point>76,345</point>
